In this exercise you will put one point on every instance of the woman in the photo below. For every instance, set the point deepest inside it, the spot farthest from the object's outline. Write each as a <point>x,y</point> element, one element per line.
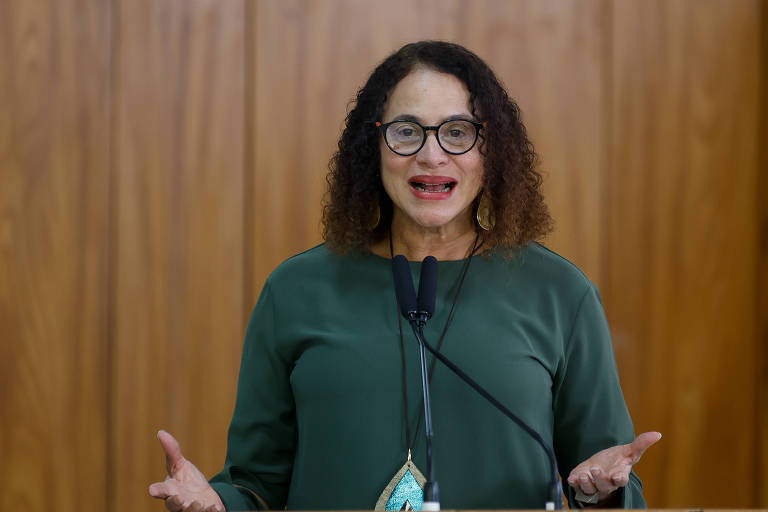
<point>434,160</point>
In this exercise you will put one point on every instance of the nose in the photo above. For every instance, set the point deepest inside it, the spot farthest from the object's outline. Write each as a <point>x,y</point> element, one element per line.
<point>431,154</point>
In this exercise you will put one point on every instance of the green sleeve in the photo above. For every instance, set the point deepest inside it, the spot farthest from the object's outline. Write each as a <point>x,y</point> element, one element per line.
<point>590,413</point>
<point>261,442</point>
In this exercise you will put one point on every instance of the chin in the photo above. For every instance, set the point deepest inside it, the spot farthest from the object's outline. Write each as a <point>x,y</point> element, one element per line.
<point>434,220</point>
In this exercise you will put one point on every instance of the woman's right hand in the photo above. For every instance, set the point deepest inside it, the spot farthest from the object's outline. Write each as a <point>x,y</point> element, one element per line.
<point>185,489</point>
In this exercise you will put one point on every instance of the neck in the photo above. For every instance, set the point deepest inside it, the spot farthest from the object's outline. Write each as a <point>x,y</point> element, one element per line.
<point>416,242</point>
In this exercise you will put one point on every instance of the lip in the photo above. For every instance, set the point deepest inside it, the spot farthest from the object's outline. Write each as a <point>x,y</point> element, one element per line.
<point>429,179</point>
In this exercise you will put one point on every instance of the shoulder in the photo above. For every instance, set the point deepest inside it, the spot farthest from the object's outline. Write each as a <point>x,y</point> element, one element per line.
<point>549,265</point>
<point>315,266</point>
<point>308,261</point>
<point>537,270</point>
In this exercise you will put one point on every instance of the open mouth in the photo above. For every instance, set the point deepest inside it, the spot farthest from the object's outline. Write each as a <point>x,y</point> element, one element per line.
<point>440,186</point>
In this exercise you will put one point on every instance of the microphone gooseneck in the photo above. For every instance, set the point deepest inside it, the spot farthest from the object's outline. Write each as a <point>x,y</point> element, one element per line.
<point>555,492</point>
<point>417,313</point>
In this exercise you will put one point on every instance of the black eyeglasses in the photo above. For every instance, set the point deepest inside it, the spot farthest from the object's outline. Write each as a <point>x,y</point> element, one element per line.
<point>455,136</point>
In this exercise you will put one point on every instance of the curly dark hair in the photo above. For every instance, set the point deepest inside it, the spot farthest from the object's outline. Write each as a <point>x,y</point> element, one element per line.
<point>510,178</point>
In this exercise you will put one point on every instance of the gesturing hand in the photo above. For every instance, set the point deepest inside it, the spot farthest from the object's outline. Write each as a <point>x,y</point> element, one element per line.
<point>185,489</point>
<point>607,470</point>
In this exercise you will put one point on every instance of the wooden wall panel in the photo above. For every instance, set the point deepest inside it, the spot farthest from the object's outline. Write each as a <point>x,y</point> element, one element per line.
<point>54,147</point>
<point>682,242</point>
<point>179,107</point>
<point>305,76</point>
<point>158,159</point>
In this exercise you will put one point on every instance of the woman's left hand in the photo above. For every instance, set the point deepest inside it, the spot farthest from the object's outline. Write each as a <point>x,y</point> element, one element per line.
<point>608,469</point>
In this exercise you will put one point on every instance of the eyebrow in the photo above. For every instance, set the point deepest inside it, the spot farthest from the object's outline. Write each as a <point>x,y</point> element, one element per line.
<point>454,117</point>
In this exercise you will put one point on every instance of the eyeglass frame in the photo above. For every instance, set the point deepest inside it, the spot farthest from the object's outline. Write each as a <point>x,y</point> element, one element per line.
<point>426,129</point>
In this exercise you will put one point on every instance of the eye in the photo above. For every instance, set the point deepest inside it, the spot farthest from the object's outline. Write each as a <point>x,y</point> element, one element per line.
<point>404,131</point>
<point>457,131</point>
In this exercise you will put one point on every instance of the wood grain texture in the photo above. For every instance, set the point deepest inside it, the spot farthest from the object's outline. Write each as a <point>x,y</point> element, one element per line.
<point>682,242</point>
<point>159,159</point>
<point>306,75</point>
<point>179,95</point>
<point>54,147</point>
<point>761,302</point>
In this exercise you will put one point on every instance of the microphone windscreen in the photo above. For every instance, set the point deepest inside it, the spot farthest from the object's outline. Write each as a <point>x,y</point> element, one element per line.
<point>406,296</point>
<point>428,285</point>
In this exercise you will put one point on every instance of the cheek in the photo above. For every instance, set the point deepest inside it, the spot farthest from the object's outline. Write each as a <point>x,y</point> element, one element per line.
<point>475,175</point>
<point>393,165</point>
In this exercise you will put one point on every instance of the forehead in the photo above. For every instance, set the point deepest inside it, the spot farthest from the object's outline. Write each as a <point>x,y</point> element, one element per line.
<point>429,95</point>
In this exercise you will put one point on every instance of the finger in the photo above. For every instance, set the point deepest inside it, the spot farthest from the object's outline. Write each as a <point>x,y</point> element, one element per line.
<point>585,483</point>
<point>174,504</point>
<point>603,483</point>
<point>173,457</point>
<point>196,506</point>
<point>620,479</point>
<point>573,478</point>
<point>642,443</point>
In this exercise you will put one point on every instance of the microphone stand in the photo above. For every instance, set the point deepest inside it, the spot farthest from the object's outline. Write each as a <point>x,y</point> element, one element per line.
<point>431,492</point>
<point>417,315</point>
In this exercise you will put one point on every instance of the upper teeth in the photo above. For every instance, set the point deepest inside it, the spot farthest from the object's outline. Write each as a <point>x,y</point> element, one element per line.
<point>430,187</point>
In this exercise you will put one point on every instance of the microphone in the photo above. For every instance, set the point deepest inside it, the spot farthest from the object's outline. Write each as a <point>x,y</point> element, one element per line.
<point>406,296</point>
<point>417,316</point>
<point>427,289</point>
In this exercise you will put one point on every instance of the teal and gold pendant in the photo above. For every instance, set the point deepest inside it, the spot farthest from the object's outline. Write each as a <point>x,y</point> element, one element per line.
<point>405,491</point>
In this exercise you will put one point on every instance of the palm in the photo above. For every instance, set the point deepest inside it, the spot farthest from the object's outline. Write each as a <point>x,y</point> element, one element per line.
<point>188,483</point>
<point>613,460</point>
<point>608,469</point>
<point>185,485</point>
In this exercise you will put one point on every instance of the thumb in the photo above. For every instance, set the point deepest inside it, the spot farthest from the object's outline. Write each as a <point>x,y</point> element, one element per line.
<point>173,457</point>
<point>159,490</point>
<point>642,443</point>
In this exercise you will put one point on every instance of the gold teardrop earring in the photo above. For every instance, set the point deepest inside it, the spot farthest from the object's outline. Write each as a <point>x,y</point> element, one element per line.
<point>485,218</point>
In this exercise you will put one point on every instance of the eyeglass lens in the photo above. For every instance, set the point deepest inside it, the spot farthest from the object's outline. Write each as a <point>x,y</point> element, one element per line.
<point>406,137</point>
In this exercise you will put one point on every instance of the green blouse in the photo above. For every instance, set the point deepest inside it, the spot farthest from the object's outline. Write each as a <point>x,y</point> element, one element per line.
<point>319,421</point>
